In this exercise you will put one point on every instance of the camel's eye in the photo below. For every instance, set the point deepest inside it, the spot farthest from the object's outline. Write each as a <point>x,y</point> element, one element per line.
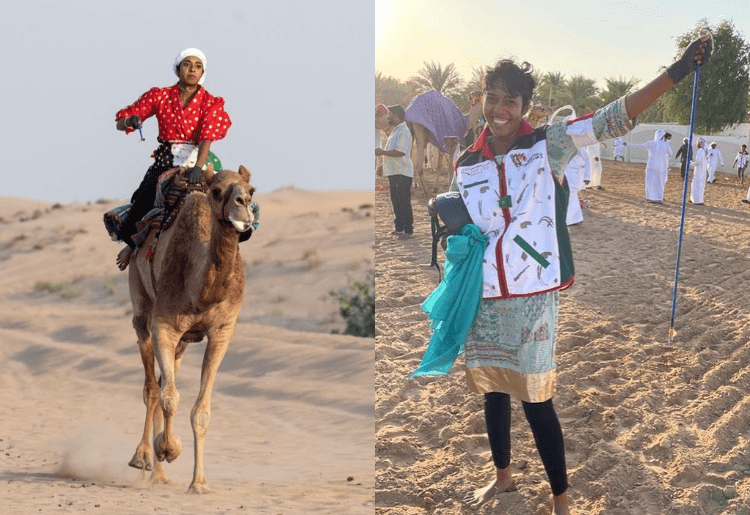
<point>216,192</point>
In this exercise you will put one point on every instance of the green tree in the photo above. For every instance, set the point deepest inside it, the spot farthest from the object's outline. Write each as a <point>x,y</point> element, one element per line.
<point>463,98</point>
<point>391,91</point>
<point>443,80</point>
<point>617,88</point>
<point>654,113</point>
<point>551,85</point>
<point>581,93</point>
<point>724,81</point>
<point>477,78</point>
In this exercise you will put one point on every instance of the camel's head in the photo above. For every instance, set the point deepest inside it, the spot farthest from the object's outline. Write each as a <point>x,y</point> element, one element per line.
<point>231,195</point>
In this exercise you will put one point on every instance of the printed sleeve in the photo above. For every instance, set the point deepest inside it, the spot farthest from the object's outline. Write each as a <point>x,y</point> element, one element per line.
<point>144,107</point>
<point>566,137</point>
<point>215,122</point>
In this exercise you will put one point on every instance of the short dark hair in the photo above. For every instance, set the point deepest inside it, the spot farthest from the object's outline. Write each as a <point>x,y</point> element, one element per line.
<point>514,79</point>
<point>397,110</point>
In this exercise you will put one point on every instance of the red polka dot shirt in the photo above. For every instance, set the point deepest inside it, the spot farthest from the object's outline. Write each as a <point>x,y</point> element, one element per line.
<point>204,118</point>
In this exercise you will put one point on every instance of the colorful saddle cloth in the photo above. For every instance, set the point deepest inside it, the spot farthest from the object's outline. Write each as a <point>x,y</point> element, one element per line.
<point>171,191</point>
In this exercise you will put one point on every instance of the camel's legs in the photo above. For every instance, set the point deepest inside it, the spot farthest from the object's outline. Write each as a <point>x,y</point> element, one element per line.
<point>167,445</point>
<point>201,414</point>
<point>451,143</point>
<point>143,457</point>
<point>159,475</point>
<point>420,138</point>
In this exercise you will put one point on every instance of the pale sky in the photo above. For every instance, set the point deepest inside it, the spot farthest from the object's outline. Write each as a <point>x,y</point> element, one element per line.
<point>297,81</point>
<point>597,39</point>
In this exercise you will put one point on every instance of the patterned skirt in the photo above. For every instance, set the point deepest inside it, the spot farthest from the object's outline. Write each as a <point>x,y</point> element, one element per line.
<point>511,347</point>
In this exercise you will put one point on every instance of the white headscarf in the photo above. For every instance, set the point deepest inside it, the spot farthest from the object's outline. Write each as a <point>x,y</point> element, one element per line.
<point>186,53</point>
<point>659,134</point>
<point>702,142</point>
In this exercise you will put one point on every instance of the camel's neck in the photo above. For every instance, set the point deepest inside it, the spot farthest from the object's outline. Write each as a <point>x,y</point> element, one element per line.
<point>203,258</point>
<point>223,256</point>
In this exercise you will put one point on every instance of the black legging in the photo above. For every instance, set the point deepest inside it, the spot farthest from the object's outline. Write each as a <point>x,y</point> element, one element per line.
<point>143,198</point>
<point>544,425</point>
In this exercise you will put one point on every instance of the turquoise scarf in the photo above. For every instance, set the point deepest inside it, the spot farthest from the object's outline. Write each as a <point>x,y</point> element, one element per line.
<point>454,304</point>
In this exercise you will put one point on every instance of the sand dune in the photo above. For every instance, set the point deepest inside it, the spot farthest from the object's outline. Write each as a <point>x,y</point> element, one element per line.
<point>292,412</point>
<point>651,426</point>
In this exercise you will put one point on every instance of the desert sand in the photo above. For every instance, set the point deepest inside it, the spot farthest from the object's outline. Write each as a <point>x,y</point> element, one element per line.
<point>291,430</point>
<point>651,426</point>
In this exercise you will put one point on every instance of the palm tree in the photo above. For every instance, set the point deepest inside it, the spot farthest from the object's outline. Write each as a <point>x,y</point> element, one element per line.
<point>552,83</point>
<point>434,76</point>
<point>581,93</point>
<point>477,78</point>
<point>617,88</point>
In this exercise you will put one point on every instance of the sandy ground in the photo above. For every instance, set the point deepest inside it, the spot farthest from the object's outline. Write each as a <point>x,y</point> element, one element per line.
<point>651,427</point>
<point>292,410</point>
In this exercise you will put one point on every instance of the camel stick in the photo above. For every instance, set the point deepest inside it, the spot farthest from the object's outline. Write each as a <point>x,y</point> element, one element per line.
<point>672,332</point>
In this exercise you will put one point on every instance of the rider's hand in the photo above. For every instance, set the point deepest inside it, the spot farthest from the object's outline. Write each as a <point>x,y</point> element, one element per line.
<point>697,52</point>
<point>195,175</point>
<point>133,122</point>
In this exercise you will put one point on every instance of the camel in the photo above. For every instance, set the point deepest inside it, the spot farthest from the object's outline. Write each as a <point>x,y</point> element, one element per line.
<point>537,114</point>
<point>422,136</point>
<point>187,283</point>
<point>434,118</point>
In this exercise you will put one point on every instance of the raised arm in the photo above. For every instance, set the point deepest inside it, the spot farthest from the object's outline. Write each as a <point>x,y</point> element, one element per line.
<point>698,52</point>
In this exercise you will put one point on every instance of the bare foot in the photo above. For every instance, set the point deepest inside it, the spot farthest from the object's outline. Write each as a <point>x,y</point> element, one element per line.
<point>501,484</point>
<point>123,258</point>
<point>560,504</point>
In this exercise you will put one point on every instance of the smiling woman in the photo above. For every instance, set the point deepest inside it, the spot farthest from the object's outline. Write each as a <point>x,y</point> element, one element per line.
<point>512,183</point>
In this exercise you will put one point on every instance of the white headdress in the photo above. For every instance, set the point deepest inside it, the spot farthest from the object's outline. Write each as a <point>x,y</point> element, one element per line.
<point>186,53</point>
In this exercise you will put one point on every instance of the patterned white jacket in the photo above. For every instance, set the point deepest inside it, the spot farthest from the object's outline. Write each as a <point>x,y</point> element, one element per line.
<point>519,200</point>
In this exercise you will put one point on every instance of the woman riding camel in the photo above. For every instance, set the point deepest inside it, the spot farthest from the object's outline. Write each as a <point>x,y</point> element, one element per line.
<point>189,118</point>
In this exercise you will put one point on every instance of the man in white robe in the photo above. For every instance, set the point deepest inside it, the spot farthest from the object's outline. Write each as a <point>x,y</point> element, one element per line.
<point>700,172</point>
<point>574,175</point>
<point>658,152</point>
<point>714,158</point>
<point>665,173</point>
<point>619,149</point>
<point>594,176</point>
